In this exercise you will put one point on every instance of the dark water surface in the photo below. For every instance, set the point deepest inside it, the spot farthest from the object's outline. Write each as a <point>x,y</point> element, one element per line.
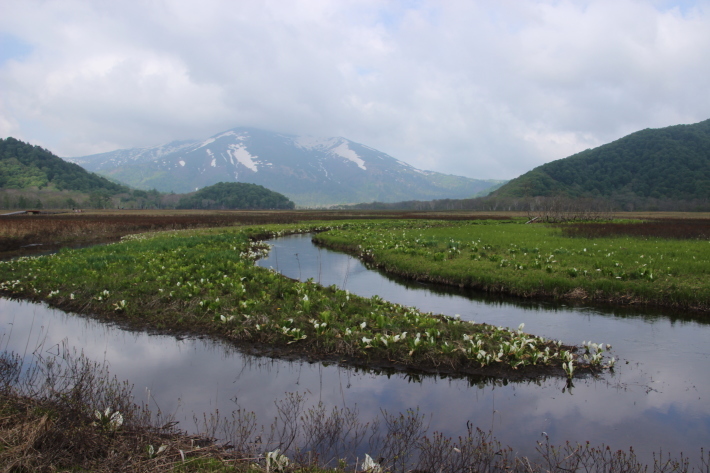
<point>657,397</point>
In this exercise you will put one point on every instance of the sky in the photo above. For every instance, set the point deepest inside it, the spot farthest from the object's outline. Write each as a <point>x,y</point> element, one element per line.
<point>483,89</point>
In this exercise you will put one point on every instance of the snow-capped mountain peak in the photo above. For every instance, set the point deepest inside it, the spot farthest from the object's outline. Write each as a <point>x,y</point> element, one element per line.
<point>309,170</point>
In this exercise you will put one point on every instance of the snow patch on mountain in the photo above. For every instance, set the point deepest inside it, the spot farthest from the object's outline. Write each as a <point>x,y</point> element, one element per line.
<point>206,142</point>
<point>325,171</point>
<point>239,136</point>
<point>309,170</point>
<point>240,153</point>
<point>163,150</point>
<point>334,146</point>
<point>344,152</point>
<point>412,168</point>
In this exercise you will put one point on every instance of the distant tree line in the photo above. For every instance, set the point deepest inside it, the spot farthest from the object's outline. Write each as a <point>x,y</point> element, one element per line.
<point>618,202</point>
<point>34,198</point>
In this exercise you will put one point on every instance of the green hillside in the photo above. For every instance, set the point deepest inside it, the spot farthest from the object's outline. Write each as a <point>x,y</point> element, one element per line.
<point>670,163</point>
<point>31,176</point>
<point>235,195</point>
<point>23,166</point>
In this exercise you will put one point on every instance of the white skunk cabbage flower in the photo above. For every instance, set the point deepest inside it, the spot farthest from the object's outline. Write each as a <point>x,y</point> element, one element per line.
<point>275,461</point>
<point>152,452</point>
<point>116,420</point>
<point>371,465</point>
<point>109,420</point>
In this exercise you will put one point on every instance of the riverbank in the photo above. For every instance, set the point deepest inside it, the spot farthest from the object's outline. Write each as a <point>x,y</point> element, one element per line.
<point>542,261</point>
<point>66,413</point>
<point>43,436</point>
<point>204,281</point>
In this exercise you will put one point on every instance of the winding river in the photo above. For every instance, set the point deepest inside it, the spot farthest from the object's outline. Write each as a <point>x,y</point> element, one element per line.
<point>657,397</point>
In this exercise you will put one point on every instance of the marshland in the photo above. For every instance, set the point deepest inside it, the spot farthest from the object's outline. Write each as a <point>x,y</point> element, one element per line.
<point>523,348</point>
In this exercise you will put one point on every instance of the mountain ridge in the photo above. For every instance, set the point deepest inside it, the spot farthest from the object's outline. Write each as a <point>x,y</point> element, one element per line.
<point>310,171</point>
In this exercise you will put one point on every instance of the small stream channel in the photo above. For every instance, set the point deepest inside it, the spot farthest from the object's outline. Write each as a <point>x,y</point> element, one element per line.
<point>658,396</point>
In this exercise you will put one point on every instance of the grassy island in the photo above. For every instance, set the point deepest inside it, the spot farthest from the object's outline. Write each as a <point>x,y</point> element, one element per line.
<point>205,281</point>
<point>627,262</point>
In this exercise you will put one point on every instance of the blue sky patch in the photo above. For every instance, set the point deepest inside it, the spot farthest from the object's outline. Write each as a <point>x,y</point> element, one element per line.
<point>12,47</point>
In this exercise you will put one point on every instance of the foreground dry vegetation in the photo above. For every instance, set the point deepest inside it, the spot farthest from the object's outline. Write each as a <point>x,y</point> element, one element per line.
<point>66,413</point>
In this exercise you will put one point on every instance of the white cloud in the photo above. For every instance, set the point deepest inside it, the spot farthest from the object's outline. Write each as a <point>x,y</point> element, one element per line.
<point>484,89</point>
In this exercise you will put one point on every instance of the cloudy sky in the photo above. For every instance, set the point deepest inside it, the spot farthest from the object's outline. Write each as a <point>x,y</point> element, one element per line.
<point>485,89</point>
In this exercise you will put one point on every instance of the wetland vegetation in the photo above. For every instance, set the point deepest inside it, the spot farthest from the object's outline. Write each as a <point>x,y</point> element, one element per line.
<point>204,281</point>
<point>654,263</point>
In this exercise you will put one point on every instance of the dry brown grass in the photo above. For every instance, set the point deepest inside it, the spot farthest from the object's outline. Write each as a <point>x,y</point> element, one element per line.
<point>48,421</point>
<point>667,228</point>
<point>25,234</point>
<point>662,215</point>
<point>28,234</point>
<point>42,436</point>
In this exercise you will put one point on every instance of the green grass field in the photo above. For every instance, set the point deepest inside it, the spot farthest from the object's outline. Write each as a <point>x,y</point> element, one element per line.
<point>537,260</point>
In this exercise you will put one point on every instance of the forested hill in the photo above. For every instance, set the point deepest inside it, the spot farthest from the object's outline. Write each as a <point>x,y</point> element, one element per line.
<point>235,195</point>
<point>670,163</point>
<point>24,166</point>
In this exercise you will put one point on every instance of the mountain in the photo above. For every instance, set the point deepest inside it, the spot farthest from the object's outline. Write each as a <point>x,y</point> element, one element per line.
<point>670,163</point>
<point>310,171</point>
<point>235,195</point>
<point>24,166</point>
